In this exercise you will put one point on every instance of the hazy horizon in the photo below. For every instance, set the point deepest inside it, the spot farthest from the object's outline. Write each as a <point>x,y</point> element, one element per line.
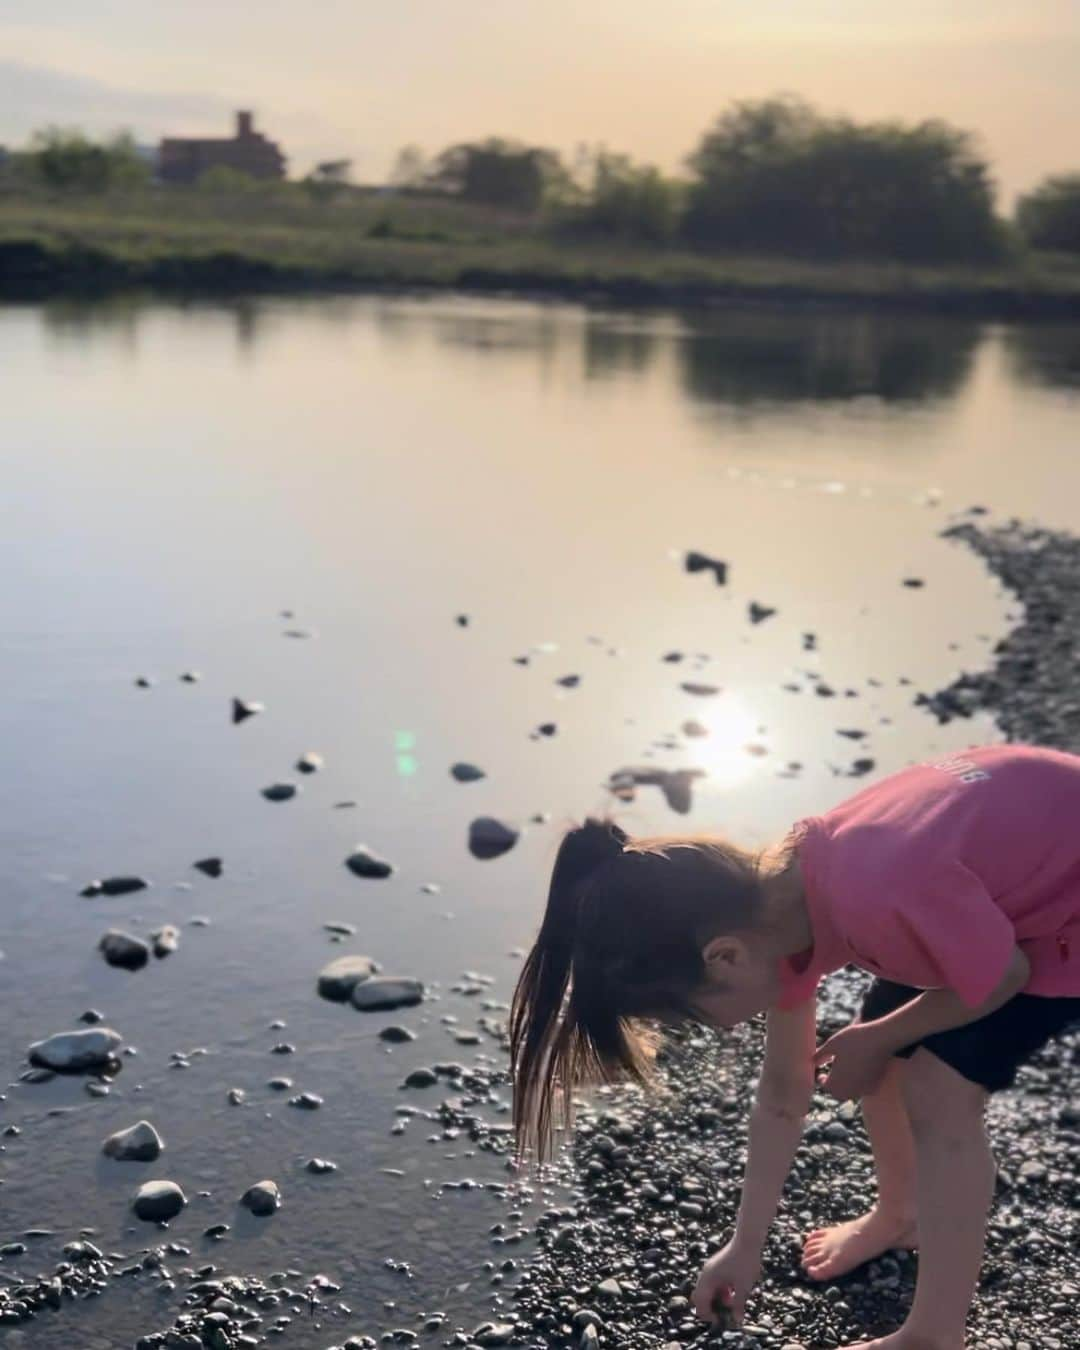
<point>645,79</point>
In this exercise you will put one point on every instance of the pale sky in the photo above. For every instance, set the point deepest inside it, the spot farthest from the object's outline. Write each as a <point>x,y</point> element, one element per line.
<point>360,78</point>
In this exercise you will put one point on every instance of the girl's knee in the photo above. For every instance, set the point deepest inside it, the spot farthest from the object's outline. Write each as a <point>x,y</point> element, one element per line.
<point>938,1099</point>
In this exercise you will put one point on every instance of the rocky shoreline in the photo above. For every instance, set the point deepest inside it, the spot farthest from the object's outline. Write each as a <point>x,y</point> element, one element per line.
<point>651,1182</point>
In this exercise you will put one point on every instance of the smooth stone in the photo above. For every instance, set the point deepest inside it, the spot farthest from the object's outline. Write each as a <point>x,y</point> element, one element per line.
<point>383,992</point>
<point>166,940</point>
<point>309,762</point>
<point>421,1078</point>
<point>262,1199</point>
<point>488,837</point>
<point>72,1051</point>
<point>91,1017</point>
<point>758,613</point>
<point>140,1143</point>
<point>158,1201</point>
<point>306,1101</point>
<point>320,1166</point>
<point>121,949</point>
<point>243,708</point>
<point>210,867</point>
<point>191,677</point>
<point>115,886</point>
<point>337,980</point>
<point>397,1035</point>
<point>493,1333</point>
<point>466,773</point>
<point>280,792</point>
<point>363,863</point>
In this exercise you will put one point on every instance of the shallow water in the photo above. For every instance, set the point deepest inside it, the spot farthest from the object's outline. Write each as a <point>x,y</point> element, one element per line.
<point>174,477</point>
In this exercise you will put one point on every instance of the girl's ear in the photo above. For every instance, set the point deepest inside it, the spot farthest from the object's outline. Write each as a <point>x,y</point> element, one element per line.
<point>721,952</point>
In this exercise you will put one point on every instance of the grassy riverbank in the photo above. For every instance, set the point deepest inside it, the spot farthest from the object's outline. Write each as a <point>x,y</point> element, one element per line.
<point>189,241</point>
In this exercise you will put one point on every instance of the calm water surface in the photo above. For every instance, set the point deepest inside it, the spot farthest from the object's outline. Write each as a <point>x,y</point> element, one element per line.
<point>173,478</point>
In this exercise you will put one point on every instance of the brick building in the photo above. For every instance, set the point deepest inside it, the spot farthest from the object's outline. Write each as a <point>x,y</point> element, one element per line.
<point>183,160</point>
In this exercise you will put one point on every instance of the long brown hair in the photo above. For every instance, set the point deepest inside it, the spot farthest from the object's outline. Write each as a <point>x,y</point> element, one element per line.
<point>620,944</point>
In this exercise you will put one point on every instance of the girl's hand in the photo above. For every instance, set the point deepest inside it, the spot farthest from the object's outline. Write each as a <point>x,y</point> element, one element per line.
<point>859,1061</point>
<point>724,1282</point>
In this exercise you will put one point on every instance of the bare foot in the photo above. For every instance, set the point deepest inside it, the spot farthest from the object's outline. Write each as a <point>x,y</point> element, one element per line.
<point>904,1340</point>
<point>829,1252</point>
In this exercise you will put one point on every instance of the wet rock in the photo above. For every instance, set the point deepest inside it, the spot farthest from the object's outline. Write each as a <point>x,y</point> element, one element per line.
<point>547,728</point>
<point>851,733</point>
<point>421,1078</point>
<point>143,682</point>
<point>158,1201</point>
<point>914,582</point>
<point>236,1096</point>
<point>280,1084</point>
<point>462,620</point>
<point>385,992</point>
<point>166,940</point>
<point>693,728</point>
<point>115,886</point>
<point>701,562</point>
<point>243,708</point>
<point>309,762</point>
<point>210,867</point>
<point>569,681</point>
<point>701,690</point>
<point>363,863</point>
<point>139,1143</point>
<point>320,1166</point>
<point>493,1333</point>
<point>190,677</point>
<point>262,1199</point>
<point>306,1101</point>
<point>490,838</point>
<point>759,613</point>
<point>123,950</point>
<point>339,978</point>
<point>91,1017</point>
<point>280,792</point>
<point>76,1051</point>
<point>466,773</point>
<point>397,1035</point>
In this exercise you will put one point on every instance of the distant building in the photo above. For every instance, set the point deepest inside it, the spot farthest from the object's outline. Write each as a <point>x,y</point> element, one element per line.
<point>181,160</point>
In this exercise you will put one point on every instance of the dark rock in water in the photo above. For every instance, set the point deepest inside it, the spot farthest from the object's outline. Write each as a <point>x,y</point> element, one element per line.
<point>672,656</point>
<point>421,1078</point>
<point>569,681</point>
<point>143,682</point>
<point>675,784</point>
<point>493,1333</point>
<point>466,773</point>
<point>338,979</point>
<point>489,838</point>
<point>809,642</point>
<point>191,677</point>
<point>396,1035</point>
<point>262,1199</point>
<point>384,992</point>
<point>115,886</point>
<point>431,888</point>
<point>462,620</point>
<point>280,792</point>
<point>280,1084</point>
<point>140,1143</point>
<point>914,582</point>
<point>692,687</point>
<point>243,708</point>
<point>341,929</point>
<point>310,762</point>
<point>701,562</point>
<point>861,767</point>
<point>363,863</point>
<point>166,940</point>
<point>91,1017</point>
<point>758,613</point>
<point>158,1201</point>
<point>306,1101</point>
<point>216,1231</point>
<point>121,949</point>
<point>210,867</point>
<point>236,1096</point>
<point>694,728</point>
<point>851,733</point>
<point>547,728</point>
<point>320,1166</point>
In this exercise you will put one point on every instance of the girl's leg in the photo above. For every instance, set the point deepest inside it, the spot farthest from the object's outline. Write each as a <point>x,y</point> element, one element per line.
<point>831,1252</point>
<point>955,1181</point>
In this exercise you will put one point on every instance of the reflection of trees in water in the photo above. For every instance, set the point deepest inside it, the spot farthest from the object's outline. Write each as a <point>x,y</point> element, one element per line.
<point>775,357</point>
<point>1045,354</point>
<point>74,319</point>
<point>613,350</point>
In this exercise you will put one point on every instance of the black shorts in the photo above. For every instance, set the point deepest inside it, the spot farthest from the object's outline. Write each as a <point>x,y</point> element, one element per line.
<point>990,1050</point>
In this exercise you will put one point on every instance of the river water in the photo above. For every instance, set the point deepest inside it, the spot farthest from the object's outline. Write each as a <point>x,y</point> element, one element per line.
<point>183,486</point>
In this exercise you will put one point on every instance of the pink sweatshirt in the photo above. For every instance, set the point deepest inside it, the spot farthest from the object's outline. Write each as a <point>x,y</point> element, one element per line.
<point>932,876</point>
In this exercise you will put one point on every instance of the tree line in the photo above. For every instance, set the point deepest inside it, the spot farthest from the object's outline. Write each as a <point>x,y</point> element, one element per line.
<point>773,175</point>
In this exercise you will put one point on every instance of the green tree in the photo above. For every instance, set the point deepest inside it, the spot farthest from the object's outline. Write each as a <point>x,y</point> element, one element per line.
<point>222,180</point>
<point>621,199</point>
<point>498,172</point>
<point>411,168</point>
<point>66,159</point>
<point>776,175</point>
<point>1049,216</point>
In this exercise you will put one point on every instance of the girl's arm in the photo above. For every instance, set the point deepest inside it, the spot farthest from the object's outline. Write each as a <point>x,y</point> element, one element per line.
<point>776,1121</point>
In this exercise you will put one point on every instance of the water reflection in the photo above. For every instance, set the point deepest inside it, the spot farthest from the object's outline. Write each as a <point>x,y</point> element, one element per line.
<point>745,357</point>
<point>1045,354</point>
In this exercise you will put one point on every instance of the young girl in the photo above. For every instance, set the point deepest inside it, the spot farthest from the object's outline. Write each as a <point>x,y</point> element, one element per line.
<point>956,884</point>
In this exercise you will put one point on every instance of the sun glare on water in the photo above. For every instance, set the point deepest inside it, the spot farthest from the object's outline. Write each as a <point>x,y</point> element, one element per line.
<point>723,753</point>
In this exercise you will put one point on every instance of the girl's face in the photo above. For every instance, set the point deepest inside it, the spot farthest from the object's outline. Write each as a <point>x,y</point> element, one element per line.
<point>739,983</point>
